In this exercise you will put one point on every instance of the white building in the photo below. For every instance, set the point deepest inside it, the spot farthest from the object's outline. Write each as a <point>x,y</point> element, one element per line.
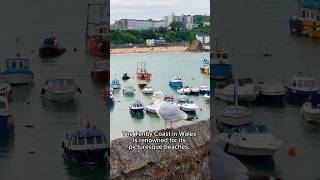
<point>203,38</point>
<point>134,24</point>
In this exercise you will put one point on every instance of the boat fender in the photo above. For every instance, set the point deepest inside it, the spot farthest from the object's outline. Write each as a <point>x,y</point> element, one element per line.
<point>43,91</point>
<point>79,90</point>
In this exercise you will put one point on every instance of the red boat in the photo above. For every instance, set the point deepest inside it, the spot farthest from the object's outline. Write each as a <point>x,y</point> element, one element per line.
<point>142,73</point>
<point>96,40</point>
<point>100,71</point>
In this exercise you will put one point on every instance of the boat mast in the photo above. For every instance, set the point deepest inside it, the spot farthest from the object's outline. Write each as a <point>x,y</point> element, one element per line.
<point>236,83</point>
<point>18,47</point>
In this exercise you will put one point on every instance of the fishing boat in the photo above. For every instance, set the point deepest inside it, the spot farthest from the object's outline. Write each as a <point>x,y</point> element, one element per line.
<point>88,145</point>
<point>205,66</point>
<point>115,84</point>
<point>50,48</point>
<point>96,40</point>
<point>100,71</point>
<point>221,69</point>
<point>125,76</point>
<point>247,91</point>
<point>184,90</point>
<point>301,86</point>
<point>271,91</point>
<point>188,106</point>
<point>311,109</point>
<point>147,90</point>
<point>250,141</point>
<point>18,71</point>
<point>142,83</point>
<point>204,89</point>
<point>136,107</point>
<point>207,97</point>
<point>6,91</point>
<point>60,90</point>
<point>6,118</point>
<point>142,73</point>
<point>128,90</point>
<point>176,82</point>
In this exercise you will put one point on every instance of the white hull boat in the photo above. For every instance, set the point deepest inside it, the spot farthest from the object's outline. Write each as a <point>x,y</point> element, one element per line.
<point>311,109</point>
<point>235,116</point>
<point>147,90</point>
<point>206,97</point>
<point>60,90</point>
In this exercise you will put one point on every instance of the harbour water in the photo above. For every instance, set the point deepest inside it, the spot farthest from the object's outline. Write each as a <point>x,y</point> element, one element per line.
<point>163,66</point>
<point>263,27</point>
<point>35,153</point>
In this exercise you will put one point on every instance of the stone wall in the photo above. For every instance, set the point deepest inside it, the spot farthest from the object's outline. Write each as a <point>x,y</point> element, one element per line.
<point>164,164</point>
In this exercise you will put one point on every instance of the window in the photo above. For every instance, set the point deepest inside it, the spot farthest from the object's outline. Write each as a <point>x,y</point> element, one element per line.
<point>74,141</point>
<point>81,141</point>
<point>14,65</point>
<point>306,83</point>
<point>98,139</point>
<point>90,140</point>
<point>300,84</point>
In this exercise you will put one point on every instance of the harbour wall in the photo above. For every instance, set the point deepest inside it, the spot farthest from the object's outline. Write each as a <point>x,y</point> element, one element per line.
<point>192,163</point>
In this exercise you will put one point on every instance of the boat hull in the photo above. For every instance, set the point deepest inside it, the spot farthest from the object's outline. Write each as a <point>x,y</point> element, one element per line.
<point>309,114</point>
<point>136,110</point>
<point>220,71</point>
<point>250,152</point>
<point>176,84</point>
<point>60,97</point>
<point>50,52</point>
<point>86,156</point>
<point>6,123</point>
<point>234,121</point>
<point>18,78</point>
<point>296,96</point>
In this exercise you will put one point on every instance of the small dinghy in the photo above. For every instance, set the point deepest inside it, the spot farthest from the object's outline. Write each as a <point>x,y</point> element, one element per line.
<point>125,76</point>
<point>50,48</point>
<point>176,82</point>
<point>136,107</point>
<point>60,90</point>
<point>311,109</point>
<point>115,84</point>
<point>128,91</point>
<point>251,141</point>
<point>88,145</point>
<point>147,90</point>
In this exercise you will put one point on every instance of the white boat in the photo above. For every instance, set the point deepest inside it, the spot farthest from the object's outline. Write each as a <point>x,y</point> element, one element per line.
<point>251,141</point>
<point>247,91</point>
<point>195,91</point>
<point>235,116</point>
<point>115,84</point>
<point>60,90</point>
<point>18,71</point>
<point>184,90</point>
<point>206,97</point>
<point>311,109</point>
<point>136,107</point>
<point>271,91</point>
<point>147,90</point>
<point>128,90</point>
<point>183,98</point>
<point>152,108</point>
<point>204,89</point>
<point>5,90</point>
<point>188,106</point>
<point>6,119</point>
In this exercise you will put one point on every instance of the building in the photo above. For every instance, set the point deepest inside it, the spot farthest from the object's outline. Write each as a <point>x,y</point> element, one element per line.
<point>135,24</point>
<point>203,38</point>
<point>187,20</point>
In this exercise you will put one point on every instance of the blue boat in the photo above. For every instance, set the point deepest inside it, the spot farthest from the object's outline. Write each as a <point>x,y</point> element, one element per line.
<point>115,84</point>
<point>220,69</point>
<point>87,145</point>
<point>18,71</point>
<point>301,86</point>
<point>6,119</point>
<point>176,82</point>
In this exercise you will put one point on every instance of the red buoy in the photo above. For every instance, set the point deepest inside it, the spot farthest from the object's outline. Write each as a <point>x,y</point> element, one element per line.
<point>292,151</point>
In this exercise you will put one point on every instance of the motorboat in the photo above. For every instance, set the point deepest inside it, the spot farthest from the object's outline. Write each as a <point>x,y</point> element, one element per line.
<point>195,91</point>
<point>301,86</point>
<point>207,97</point>
<point>100,71</point>
<point>60,90</point>
<point>50,48</point>
<point>6,91</point>
<point>128,90</point>
<point>115,84</point>
<point>250,141</point>
<point>204,89</point>
<point>97,28</point>
<point>176,82</point>
<point>184,90</point>
<point>142,73</point>
<point>152,108</point>
<point>221,69</point>
<point>247,91</point>
<point>311,109</point>
<point>18,71</point>
<point>182,99</point>
<point>136,107</point>
<point>88,145</point>
<point>205,66</point>
<point>168,98</point>
<point>125,76</point>
<point>6,118</point>
<point>147,90</point>
<point>142,83</point>
<point>234,116</point>
<point>271,91</point>
<point>188,106</point>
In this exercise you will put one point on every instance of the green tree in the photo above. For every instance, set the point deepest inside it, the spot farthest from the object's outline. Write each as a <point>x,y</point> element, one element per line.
<point>176,26</point>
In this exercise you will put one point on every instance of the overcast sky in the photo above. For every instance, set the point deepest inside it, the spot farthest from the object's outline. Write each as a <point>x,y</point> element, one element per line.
<point>156,9</point>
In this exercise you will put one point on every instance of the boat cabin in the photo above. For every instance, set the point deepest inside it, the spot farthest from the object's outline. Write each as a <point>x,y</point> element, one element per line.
<point>115,81</point>
<point>87,137</point>
<point>61,84</point>
<point>17,64</point>
<point>52,41</point>
<point>303,82</point>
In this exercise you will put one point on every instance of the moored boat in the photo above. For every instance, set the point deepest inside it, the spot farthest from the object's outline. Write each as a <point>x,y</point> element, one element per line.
<point>18,71</point>
<point>205,66</point>
<point>50,48</point>
<point>100,71</point>
<point>204,89</point>
<point>142,83</point>
<point>184,90</point>
<point>142,73</point>
<point>235,116</point>
<point>87,145</point>
<point>311,109</point>
<point>271,91</point>
<point>147,90</point>
<point>125,76</point>
<point>176,82</point>
<point>6,118</point>
<point>221,69</point>
<point>60,90</point>
<point>188,106</point>
<point>136,107</point>
<point>115,84</point>
<point>207,97</point>
<point>128,90</point>
<point>6,91</point>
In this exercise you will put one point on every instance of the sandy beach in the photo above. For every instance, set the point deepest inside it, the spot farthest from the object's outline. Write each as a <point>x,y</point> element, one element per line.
<point>148,49</point>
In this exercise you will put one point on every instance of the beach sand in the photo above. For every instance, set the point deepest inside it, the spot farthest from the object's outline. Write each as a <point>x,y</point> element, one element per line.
<point>148,49</point>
